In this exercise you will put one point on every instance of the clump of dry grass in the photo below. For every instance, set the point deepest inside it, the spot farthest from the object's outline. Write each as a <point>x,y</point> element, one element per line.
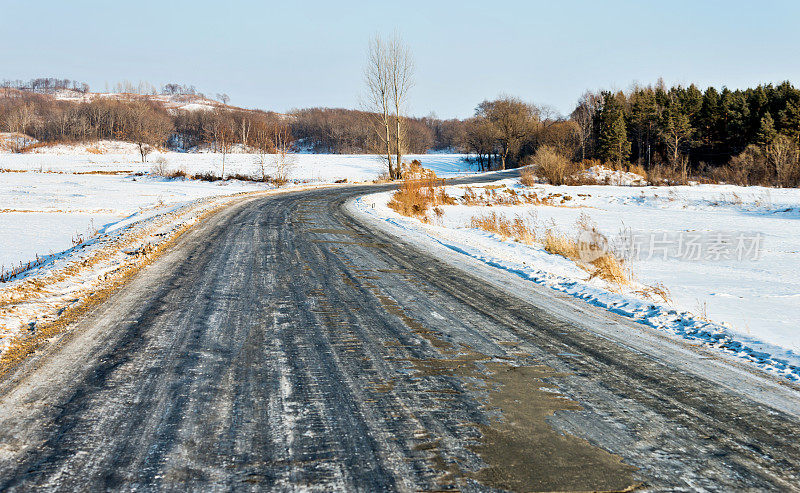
<point>606,266</point>
<point>656,292</point>
<point>638,169</point>
<point>561,244</point>
<point>178,173</point>
<point>490,196</point>
<point>517,229</point>
<point>661,174</point>
<point>609,268</point>
<point>527,176</point>
<point>591,256</point>
<point>420,192</point>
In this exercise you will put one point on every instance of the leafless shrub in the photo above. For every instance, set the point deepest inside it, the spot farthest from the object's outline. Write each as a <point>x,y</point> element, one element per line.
<point>554,167</point>
<point>783,156</point>
<point>160,167</point>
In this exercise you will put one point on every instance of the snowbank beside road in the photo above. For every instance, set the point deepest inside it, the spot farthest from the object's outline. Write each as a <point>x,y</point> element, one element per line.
<point>748,307</point>
<point>32,301</point>
<point>44,213</point>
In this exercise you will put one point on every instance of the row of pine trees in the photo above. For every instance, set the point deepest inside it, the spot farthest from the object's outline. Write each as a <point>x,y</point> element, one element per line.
<point>684,126</point>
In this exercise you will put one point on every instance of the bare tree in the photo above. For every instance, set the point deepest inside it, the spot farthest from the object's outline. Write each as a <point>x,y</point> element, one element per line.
<point>21,118</point>
<point>282,143</point>
<point>225,140</point>
<point>480,138</point>
<point>401,77</point>
<point>379,95</point>
<point>262,141</point>
<point>147,128</point>
<point>783,157</point>
<point>245,131</point>
<point>677,134</point>
<point>512,119</point>
<point>584,115</point>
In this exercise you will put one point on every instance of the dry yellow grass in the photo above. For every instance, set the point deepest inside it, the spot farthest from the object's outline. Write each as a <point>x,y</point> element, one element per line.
<point>606,266</point>
<point>551,165</point>
<point>516,229</point>
<point>420,192</point>
<point>560,244</point>
<point>638,170</point>
<point>492,196</point>
<point>656,292</point>
<point>527,176</point>
<point>609,268</point>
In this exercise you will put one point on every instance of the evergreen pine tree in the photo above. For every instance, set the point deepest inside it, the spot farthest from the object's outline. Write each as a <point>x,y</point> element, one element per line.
<point>789,119</point>
<point>644,118</point>
<point>612,140</point>
<point>766,131</point>
<point>676,131</point>
<point>709,118</point>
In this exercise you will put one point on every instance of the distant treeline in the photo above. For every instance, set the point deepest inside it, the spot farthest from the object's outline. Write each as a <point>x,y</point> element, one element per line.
<point>45,85</point>
<point>353,132</point>
<point>139,119</point>
<point>148,123</point>
<point>745,136</point>
<point>684,126</point>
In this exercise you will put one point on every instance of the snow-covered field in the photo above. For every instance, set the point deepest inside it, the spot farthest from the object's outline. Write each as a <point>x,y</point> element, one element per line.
<point>323,168</point>
<point>43,209</point>
<point>727,255</point>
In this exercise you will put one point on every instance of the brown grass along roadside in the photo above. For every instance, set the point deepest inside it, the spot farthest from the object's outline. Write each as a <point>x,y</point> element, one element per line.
<point>606,266</point>
<point>420,192</point>
<point>516,229</point>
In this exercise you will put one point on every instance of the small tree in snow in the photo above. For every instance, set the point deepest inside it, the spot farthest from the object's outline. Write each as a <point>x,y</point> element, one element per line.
<point>284,160</point>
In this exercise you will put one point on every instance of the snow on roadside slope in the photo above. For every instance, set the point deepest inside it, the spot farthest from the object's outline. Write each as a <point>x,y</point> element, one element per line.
<point>751,307</point>
<point>41,213</point>
<point>41,294</point>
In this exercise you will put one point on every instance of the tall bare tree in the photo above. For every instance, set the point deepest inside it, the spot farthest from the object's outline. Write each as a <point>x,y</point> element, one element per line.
<point>282,142</point>
<point>262,141</point>
<point>401,76</point>
<point>480,138</point>
<point>147,127</point>
<point>584,115</point>
<point>378,80</point>
<point>389,75</point>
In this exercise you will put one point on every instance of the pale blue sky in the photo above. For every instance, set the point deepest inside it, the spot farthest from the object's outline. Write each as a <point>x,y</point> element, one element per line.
<point>281,55</point>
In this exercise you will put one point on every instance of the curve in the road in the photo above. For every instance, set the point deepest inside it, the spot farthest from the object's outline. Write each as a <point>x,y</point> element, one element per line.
<point>287,344</point>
